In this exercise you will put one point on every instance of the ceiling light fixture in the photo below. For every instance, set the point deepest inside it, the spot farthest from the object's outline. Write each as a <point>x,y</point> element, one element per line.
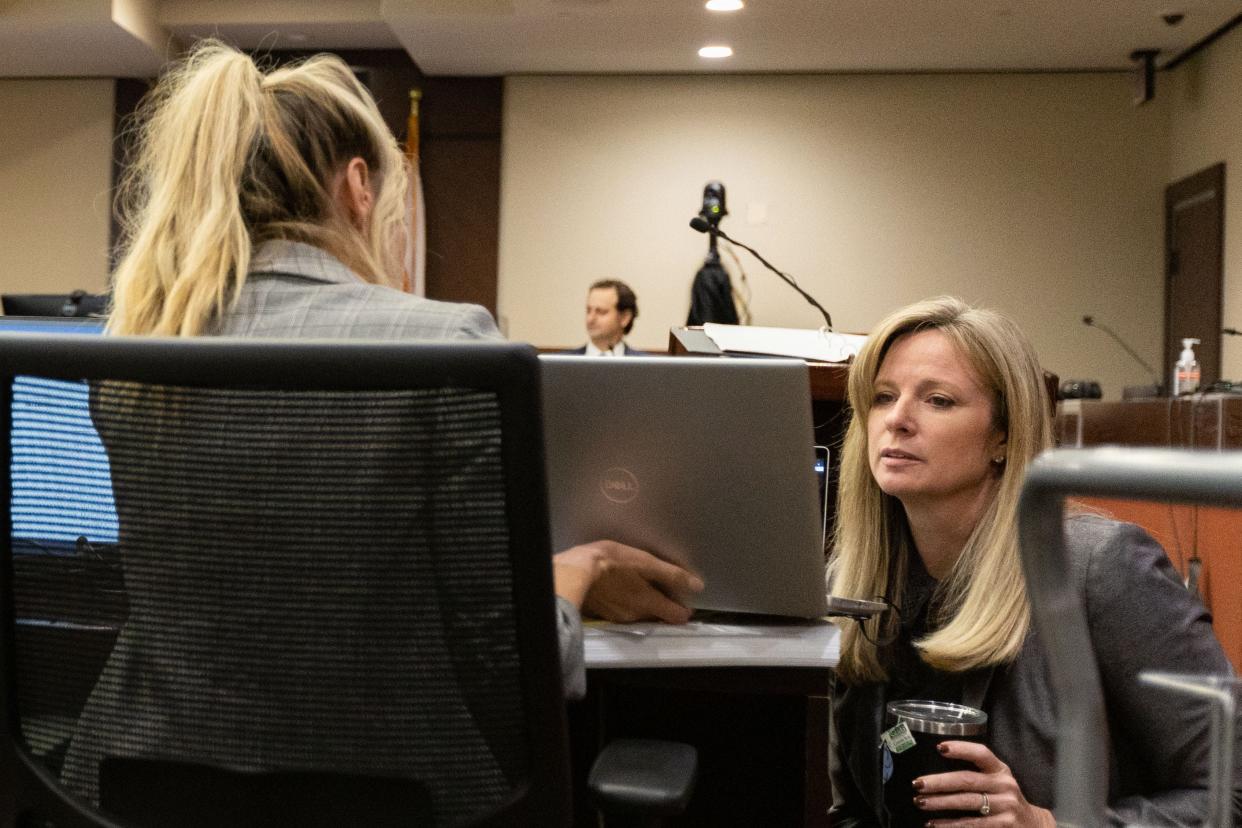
<point>715,52</point>
<point>724,5</point>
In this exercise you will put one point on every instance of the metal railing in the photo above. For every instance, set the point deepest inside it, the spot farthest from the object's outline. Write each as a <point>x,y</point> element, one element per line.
<point>1057,612</point>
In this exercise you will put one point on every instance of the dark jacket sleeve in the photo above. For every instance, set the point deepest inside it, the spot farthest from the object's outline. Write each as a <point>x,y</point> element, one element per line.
<point>1143,618</point>
<point>573,657</point>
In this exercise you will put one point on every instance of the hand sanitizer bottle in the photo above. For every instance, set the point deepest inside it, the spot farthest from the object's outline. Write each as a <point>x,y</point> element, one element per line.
<point>1186,371</point>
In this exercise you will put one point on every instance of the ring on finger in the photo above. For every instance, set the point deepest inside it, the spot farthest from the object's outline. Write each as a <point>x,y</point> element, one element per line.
<point>984,808</point>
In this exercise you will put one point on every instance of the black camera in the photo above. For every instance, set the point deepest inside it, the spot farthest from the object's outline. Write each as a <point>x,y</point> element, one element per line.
<point>713,203</point>
<point>1079,390</point>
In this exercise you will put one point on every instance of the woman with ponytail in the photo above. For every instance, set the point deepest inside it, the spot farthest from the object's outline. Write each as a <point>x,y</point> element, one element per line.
<point>272,204</point>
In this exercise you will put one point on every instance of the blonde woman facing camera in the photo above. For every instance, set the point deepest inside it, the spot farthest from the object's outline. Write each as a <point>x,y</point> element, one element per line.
<point>949,409</point>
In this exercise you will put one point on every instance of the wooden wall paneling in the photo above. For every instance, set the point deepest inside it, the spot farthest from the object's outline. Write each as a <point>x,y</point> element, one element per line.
<point>1172,525</point>
<point>461,190</point>
<point>1214,535</point>
<point>389,74</point>
<point>460,146</point>
<point>126,97</point>
<point>1220,542</point>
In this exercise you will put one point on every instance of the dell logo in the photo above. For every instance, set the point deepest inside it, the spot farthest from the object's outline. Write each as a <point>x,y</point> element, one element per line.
<point>619,485</point>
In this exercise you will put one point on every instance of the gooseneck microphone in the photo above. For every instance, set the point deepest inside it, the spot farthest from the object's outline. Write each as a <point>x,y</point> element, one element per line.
<point>704,226</point>
<point>1090,322</point>
<point>1231,331</point>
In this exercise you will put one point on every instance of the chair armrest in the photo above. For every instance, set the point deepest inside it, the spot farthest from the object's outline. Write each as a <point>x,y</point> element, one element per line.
<point>645,776</point>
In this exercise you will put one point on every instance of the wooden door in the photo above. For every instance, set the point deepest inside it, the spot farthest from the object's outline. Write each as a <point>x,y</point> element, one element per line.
<point>1194,215</point>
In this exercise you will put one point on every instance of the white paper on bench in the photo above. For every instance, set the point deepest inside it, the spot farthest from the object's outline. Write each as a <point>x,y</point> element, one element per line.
<point>712,644</point>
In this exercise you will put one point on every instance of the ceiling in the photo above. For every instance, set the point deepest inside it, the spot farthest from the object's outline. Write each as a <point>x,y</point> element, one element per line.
<point>61,38</point>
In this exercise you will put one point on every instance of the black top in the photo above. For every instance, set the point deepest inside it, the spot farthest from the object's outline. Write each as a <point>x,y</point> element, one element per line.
<point>912,678</point>
<point>909,676</point>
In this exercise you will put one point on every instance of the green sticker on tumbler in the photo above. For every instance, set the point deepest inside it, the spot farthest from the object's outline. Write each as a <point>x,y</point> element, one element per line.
<point>898,738</point>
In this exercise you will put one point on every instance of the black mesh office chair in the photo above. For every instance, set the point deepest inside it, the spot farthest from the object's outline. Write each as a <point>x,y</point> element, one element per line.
<point>329,601</point>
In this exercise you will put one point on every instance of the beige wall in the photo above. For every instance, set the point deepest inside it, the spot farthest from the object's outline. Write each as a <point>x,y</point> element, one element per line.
<point>1206,128</point>
<point>55,163</point>
<point>1036,194</point>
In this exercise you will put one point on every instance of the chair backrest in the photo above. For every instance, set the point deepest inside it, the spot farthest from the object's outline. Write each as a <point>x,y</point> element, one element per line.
<point>331,558</point>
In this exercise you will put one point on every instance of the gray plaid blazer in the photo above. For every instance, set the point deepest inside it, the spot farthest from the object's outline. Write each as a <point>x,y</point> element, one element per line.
<point>298,291</point>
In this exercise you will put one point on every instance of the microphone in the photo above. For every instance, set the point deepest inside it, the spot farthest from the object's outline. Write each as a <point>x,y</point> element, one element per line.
<point>704,226</point>
<point>73,304</point>
<point>1231,331</point>
<point>1090,322</point>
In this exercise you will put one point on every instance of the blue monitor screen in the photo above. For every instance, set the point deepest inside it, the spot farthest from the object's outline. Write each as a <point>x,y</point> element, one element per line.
<point>61,484</point>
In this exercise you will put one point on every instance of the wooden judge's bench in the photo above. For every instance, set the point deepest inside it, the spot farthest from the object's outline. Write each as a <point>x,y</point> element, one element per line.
<point>1205,544</point>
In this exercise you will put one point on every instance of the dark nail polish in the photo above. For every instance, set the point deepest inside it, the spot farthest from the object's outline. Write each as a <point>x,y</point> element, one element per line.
<point>918,784</point>
<point>943,748</point>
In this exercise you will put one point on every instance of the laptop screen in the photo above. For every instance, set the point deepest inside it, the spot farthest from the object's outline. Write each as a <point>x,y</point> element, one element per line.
<point>705,462</point>
<point>821,475</point>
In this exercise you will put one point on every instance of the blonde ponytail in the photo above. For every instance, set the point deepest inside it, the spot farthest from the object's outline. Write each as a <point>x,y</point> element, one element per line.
<point>182,213</point>
<point>228,158</point>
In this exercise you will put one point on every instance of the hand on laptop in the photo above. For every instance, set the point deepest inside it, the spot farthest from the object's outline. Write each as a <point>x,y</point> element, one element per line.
<point>616,582</point>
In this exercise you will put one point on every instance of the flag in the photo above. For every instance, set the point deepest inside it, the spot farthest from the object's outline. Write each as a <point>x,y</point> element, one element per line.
<point>416,249</point>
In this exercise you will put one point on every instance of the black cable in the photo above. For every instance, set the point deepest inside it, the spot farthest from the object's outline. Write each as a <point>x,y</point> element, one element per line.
<point>703,226</point>
<point>1090,321</point>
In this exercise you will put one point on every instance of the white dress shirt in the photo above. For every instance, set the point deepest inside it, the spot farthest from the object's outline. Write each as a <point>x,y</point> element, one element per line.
<point>616,350</point>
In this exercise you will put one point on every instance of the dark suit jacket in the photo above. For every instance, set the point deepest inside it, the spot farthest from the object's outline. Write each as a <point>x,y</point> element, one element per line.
<point>1141,617</point>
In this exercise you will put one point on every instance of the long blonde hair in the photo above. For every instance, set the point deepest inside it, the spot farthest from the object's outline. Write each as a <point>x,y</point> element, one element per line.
<point>229,156</point>
<point>983,615</point>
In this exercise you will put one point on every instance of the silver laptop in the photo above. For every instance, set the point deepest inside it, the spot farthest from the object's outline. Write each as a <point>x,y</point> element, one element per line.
<point>705,462</point>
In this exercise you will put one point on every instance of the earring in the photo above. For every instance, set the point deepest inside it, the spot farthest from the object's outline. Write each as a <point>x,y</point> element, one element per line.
<point>998,461</point>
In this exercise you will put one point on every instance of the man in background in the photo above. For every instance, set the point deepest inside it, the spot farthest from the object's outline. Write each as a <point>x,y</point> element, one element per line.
<point>611,309</point>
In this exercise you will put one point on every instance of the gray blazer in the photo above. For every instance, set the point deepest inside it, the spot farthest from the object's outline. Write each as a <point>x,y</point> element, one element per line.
<point>1141,617</point>
<point>293,291</point>
<point>298,291</point>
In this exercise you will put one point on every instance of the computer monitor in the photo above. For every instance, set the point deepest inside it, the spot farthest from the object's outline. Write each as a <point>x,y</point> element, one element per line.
<point>61,500</point>
<point>77,303</point>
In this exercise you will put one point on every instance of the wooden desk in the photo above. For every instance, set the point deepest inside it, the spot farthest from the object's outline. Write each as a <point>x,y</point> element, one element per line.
<point>755,703</point>
<point>1204,421</point>
<point>761,734</point>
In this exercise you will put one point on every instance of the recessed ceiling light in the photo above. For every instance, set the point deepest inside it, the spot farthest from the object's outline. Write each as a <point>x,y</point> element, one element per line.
<point>715,52</point>
<point>724,5</point>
